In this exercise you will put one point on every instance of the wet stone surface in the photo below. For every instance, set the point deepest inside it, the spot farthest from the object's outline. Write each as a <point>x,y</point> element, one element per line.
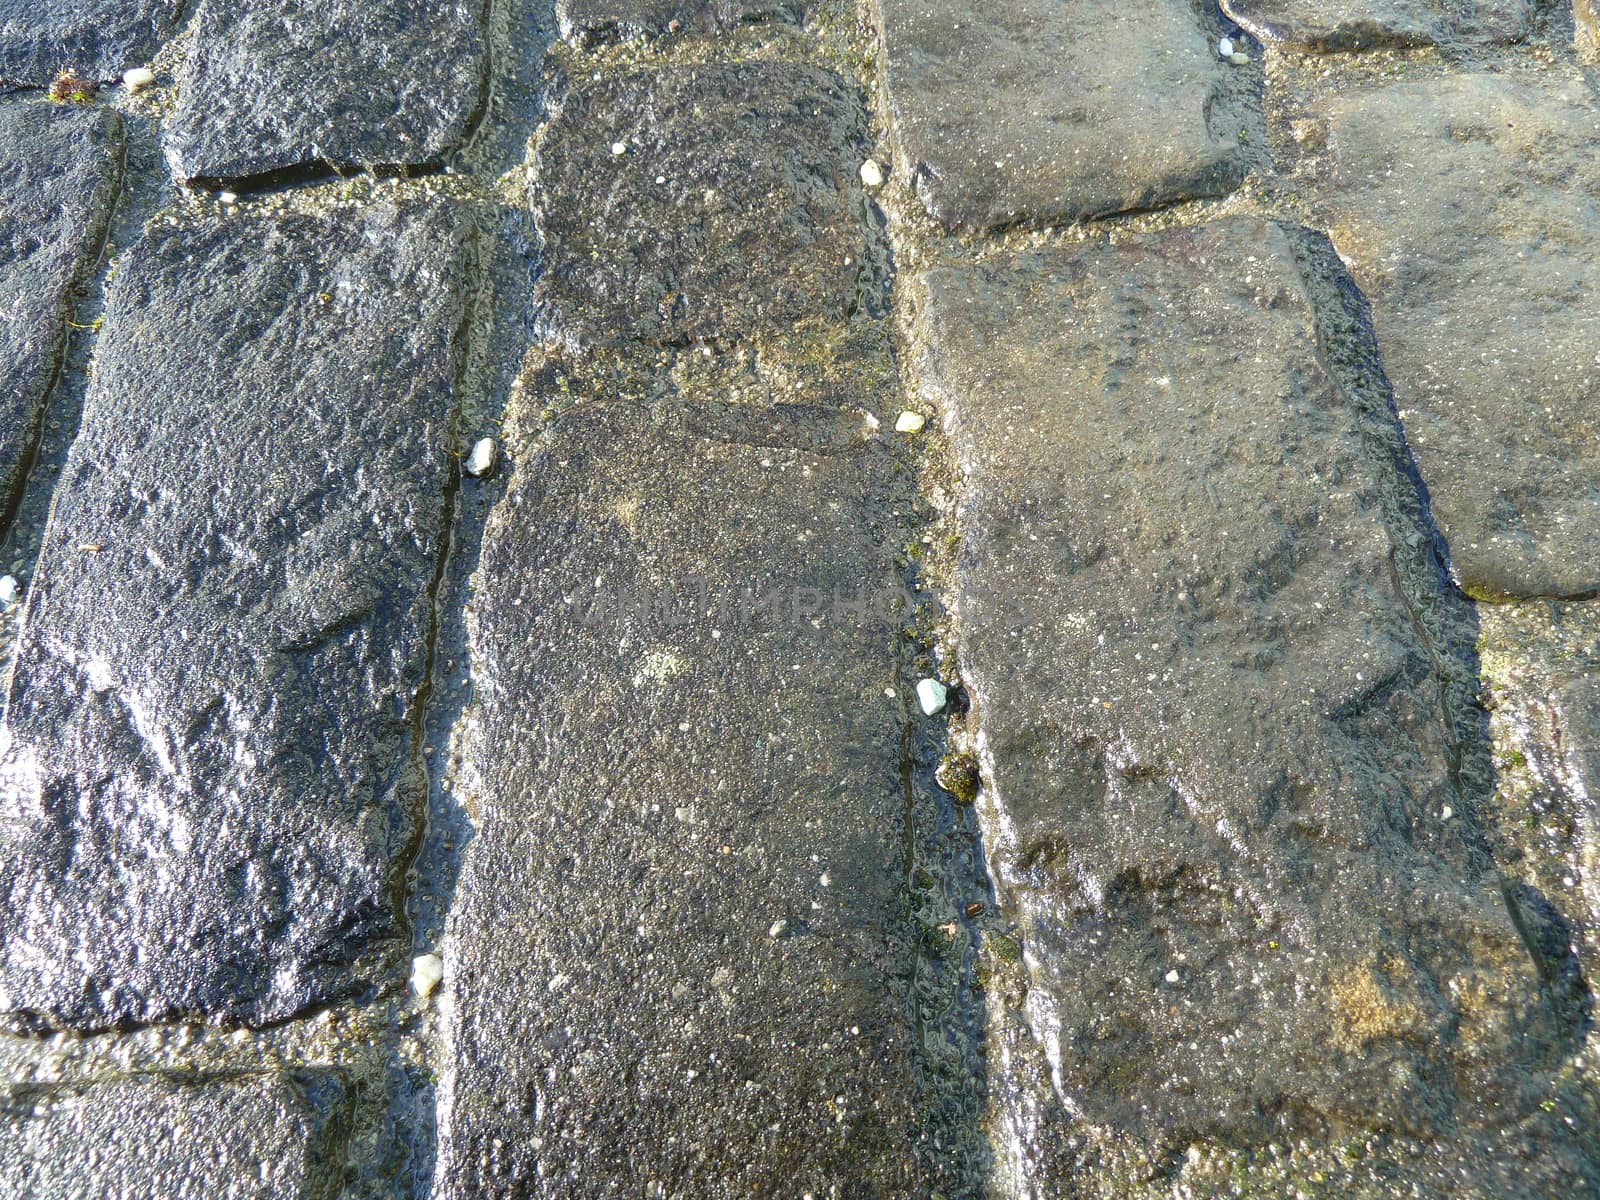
<point>689,989</point>
<point>207,784</point>
<point>93,39</point>
<point>587,21</point>
<point>1039,110</point>
<point>1466,207</point>
<point>264,1137</point>
<point>302,85</point>
<point>1340,25</point>
<point>58,175</point>
<point>1255,902</point>
<point>707,202</point>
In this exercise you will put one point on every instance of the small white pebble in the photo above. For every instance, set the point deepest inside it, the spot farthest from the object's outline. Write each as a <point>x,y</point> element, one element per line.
<point>619,148</point>
<point>137,78</point>
<point>778,929</point>
<point>1239,58</point>
<point>871,174</point>
<point>228,197</point>
<point>909,422</point>
<point>426,972</point>
<point>931,695</point>
<point>826,880</point>
<point>481,460</point>
<point>1225,47</point>
<point>1172,977</point>
<point>10,590</point>
<point>1446,813</point>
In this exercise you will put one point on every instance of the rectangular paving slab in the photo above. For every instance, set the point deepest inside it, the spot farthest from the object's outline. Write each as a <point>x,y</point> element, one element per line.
<point>208,780</point>
<point>1051,110</point>
<point>704,202</point>
<point>1467,210</point>
<point>92,39</point>
<point>1220,786</point>
<point>586,21</point>
<point>273,86</point>
<point>249,1137</point>
<point>59,167</point>
<point>671,960</point>
<point>1342,25</point>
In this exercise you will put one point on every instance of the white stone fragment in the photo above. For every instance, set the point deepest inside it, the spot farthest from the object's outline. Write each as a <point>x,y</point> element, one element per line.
<point>1225,48</point>
<point>138,78</point>
<point>871,174</point>
<point>10,590</point>
<point>426,972</point>
<point>1239,58</point>
<point>909,422</point>
<point>931,695</point>
<point>228,197</point>
<point>619,148</point>
<point>778,929</point>
<point>481,460</point>
<point>1172,977</point>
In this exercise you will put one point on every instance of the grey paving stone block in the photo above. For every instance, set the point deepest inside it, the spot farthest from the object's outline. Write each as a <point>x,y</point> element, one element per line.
<point>59,167</point>
<point>1340,25</point>
<point>278,1136</point>
<point>93,39</point>
<point>586,21</point>
<point>1255,902</point>
<point>208,779</point>
<point>704,202</point>
<point>1466,208</point>
<point>1044,110</point>
<point>674,942</point>
<point>302,85</point>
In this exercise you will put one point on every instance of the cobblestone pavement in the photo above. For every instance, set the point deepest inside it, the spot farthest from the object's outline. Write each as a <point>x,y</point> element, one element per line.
<point>787,598</point>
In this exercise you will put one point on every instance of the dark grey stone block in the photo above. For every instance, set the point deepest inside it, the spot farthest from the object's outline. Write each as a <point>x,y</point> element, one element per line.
<point>279,1136</point>
<point>732,206</point>
<point>1221,788</point>
<point>672,958</point>
<point>276,86</point>
<point>59,167</point>
<point>93,39</point>
<point>209,781</point>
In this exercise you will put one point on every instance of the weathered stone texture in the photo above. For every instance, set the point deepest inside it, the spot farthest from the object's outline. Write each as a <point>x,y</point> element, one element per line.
<point>731,208</point>
<point>265,1137</point>
<point>58,176</point>
<point>1341,25</point>
<point>1254,900</point>
<point>277,85</point>
<point>206,772</point>
<point>676,935</point>
<point>597,20</point>
<point>1467,210</point>
<point>93,39</point>
<point>1043,110</point>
